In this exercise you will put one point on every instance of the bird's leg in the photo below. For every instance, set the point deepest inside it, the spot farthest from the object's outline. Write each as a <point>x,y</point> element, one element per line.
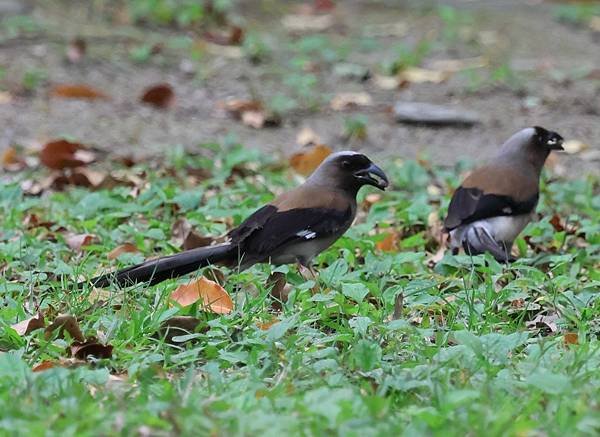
<point>308,274</point>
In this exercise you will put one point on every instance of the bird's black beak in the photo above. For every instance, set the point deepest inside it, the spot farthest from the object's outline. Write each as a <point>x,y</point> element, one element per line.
<point>372,175</point>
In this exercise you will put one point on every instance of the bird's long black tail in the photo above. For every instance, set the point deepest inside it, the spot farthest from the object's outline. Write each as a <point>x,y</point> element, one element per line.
<point>172,266</point>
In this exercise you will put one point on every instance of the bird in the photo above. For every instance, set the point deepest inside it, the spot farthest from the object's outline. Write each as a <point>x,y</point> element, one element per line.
<point>497,200</point>
<point>294,228</point>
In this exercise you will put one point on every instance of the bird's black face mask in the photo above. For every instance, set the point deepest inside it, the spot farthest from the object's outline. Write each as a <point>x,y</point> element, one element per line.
<point>363,171</point>
<point>548,139</point>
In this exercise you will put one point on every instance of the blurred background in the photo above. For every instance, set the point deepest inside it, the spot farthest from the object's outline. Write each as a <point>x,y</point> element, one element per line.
<point>439,80</point>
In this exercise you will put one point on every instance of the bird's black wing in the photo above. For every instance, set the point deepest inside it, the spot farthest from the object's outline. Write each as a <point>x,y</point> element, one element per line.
<point>295,225</point>
<point>472,204</point>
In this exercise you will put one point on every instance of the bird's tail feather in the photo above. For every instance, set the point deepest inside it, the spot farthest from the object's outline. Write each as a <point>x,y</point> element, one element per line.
<point>172,266</point>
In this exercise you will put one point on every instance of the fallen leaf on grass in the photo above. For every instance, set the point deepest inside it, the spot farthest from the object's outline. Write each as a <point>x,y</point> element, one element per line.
<point>11,161</point>
<point>77,241</point>
<point>556,223</point>
<point>213,297</point>
<point>307,160</point>
<point>44,365</point>
<point>82,350</point>
<point>26,326</point>
<point>264,326</point>
<point>123,248</point>
<point>160,96</point>
<point>76,50</point>
<point>389,243</point>
<point>422,75</point>
<point>571,338</point>
<point>251,112</point>
<point>61,154</point>
<point>233,37</point>
<point>67,323</point>
<point>543,322</point>
<point>307,23</point>
<point>176,326</point>
<point>345,101</point>
<point>76,91</point>
<point>307,136</point>
<point>183,235</point>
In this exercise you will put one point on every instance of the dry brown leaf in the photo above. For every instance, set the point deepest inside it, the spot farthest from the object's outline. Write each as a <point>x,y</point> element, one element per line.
<point>344,101</point>
<point>160,96</point>
<point>255,119</point>
<point>65,322</point>
<point>77,241</point>
<point>5,97</point>
<point>178,325</point>
<point>11,161</point>
<point>76,91</point>
<point>574,146</point>
<point>183,235</point>
<point>266,325</point>
<point>61,154</point>
<point>26,326</point>
<point>213,297</point>
<point>123,248</point>
<point>236,107</point>
<point>307,160</point>
<point>570,338</point>
<point>389,243</point>
<point>76,50</point>
<point>556,223</point>
<point>307,23</point>
<point>307,136</point>
<point>233,37</point>
<point>422,75</point>
<point>83,349</point>
<point>44,365</point>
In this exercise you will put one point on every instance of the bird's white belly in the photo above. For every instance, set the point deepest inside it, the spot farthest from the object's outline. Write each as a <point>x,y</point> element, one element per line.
<point>503,229</point>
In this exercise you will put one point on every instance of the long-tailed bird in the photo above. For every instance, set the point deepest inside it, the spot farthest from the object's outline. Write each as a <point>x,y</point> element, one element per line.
<point>293,228</point>
<point>496,201</point>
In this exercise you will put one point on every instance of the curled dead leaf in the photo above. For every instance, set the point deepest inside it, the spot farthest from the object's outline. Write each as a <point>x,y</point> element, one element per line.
<point>183,235</point>
<point>211,295</point>
<point>77,91</point>
<point>556,223</point>
<point>178,325</point>
<point>422,75</point>
<point>571,338</point>
<point>345,101</point>
<point>77,241</point>
<point>84,349</point>
<point>123,248</point>
<point>61,154</point>
<point>307,160</point>
<point>44,365</point>
<point>11,161</point>
<point>26,326</point>
<point>307,136</point>
<point>65,322</point>
<point>389,243</point>
<point>160,96</point>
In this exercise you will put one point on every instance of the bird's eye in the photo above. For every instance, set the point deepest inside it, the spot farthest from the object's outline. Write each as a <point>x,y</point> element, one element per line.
<point>346,164</point>
<point>552,141</point>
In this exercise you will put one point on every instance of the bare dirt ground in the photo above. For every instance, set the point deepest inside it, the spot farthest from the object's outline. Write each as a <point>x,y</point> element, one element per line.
<point>551,61</point>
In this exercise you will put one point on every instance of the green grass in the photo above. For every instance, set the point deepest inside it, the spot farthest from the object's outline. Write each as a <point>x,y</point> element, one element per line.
<point>462,357</point>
